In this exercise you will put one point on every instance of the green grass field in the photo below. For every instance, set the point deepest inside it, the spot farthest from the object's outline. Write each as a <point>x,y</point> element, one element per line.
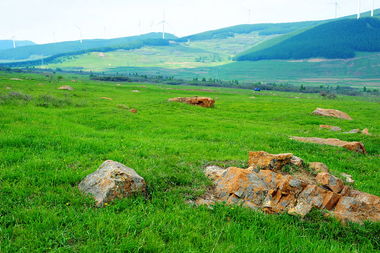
<point>50,139</point>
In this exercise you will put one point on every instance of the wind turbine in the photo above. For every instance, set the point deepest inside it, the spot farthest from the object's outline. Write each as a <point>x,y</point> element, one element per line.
<point>163,23</point>
<point>249,15</point>
<point>80,34</point>
<point>359,9</point>
<point>336,9</point>
<point>14,42</point>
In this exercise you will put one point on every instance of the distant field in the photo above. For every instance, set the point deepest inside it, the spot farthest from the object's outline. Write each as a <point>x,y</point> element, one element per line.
<point>51,139</point>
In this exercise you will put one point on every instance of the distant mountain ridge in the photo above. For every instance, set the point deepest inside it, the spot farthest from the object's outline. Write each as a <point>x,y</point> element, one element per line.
<point>51,49</point>
<point>8,44</point>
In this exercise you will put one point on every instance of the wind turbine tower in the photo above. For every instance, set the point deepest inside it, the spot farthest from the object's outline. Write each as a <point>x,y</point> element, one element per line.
<point>359,9</point>
<point>163,22</point>
<point>373,7</point>
<point>80,34</point>
<point>336,9</point>
<point>14,42</point>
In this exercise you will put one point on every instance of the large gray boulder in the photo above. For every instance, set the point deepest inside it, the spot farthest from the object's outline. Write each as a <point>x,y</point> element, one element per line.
<point>112,180</point>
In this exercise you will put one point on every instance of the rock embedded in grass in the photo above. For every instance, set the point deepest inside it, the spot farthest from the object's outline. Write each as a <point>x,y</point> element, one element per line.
<point>353,145</point>
<point>332,128</point>
<point>112,180</point>
<point>331,113</point>
<point>200,101</point>
<point>65,87</point>
<point>266,186</point>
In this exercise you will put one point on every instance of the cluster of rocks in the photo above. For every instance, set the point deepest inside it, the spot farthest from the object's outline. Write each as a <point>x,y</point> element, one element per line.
<point>200,101</point>
<point>353,145</point>
<point>265,186</point>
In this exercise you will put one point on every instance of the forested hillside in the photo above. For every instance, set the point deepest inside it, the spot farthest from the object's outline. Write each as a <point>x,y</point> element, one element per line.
<point>334,40</point>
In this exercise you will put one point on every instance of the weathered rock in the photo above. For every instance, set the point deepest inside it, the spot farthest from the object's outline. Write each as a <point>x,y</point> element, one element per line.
<point>332,128</point>
<point>200,101</point>
<point>318,167</point>
<point>274,191</point>
<point>353,131</point>
<point>330,182</point>
<point>112,180</point>
<point>16,79</point>
<point>347,178</point>
<point>358,207</point>
<point>65,87</point>
<point>136,91</point>
<point>332,113</point>
<point>264,160</point>
<point>353,146</point>
<point>106,98</point>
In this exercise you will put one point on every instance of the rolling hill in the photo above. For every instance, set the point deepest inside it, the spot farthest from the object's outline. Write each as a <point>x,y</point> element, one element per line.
<point>334,40</point>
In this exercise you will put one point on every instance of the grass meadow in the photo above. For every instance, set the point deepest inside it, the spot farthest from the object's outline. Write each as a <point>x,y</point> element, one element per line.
<point>51,139</point>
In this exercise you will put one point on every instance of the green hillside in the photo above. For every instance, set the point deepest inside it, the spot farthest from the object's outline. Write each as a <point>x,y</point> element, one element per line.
<point>60,48</point>
<point>261,29</point>
<point>8,44</point>
<point>333,40</point>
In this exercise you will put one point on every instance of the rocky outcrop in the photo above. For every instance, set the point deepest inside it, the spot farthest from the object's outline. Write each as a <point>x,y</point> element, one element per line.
<point>353,146</point>
<point>200,101</point>
<point>112,180</point>
<point>332,128</point>
<point>264,186</point>
<point>332,113</point>
<point>65,87</point>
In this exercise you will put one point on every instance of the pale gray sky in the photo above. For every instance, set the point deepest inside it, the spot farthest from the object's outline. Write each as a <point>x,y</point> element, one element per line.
<point>45,21</point>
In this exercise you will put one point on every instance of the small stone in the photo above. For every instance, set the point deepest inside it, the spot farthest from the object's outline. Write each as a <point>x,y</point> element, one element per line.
<point>106,98</point>
<point>347,178</point>
<point>136,91</point>
<point>365,131</point>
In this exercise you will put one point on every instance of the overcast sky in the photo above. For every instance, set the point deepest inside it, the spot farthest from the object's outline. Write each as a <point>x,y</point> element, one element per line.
<point>45,21</point>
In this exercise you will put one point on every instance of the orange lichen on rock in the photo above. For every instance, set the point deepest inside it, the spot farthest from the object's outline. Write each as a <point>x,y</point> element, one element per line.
<point>263,186</point>
<point>200,101</point>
